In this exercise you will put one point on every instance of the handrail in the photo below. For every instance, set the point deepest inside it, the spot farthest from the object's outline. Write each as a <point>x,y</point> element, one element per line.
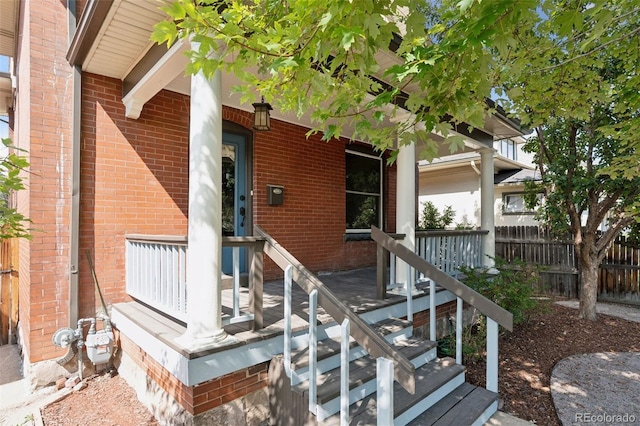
<point>362,332</point>
<point>448,232</point>
<point>484,305</point>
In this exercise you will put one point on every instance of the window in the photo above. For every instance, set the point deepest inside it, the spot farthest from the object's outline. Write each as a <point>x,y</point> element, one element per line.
<point>513,203</point>
<point>507,149</point>
<point>364,191</point>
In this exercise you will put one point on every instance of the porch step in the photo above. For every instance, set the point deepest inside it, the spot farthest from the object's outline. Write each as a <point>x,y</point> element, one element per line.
<point>362,377</point>
<point>434,381</point>
<point>328,357</point>
<point>467,404</point>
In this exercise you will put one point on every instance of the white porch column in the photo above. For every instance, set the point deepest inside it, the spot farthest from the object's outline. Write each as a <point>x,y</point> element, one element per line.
<point>204,308</point>
<point>406,208</point>
<point>487,201</point>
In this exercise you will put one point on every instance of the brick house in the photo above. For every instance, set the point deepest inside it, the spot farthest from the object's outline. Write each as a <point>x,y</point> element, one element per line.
<point>122,156</point>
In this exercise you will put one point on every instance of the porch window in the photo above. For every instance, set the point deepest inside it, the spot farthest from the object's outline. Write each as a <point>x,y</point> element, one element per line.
<point>364,191</point>
<point>513,203</point>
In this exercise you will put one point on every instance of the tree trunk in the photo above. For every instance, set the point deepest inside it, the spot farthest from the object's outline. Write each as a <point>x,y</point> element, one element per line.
<point>589,290</point>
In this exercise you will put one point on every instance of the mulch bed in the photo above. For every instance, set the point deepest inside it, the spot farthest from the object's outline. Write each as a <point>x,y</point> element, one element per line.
<point>529,353</point>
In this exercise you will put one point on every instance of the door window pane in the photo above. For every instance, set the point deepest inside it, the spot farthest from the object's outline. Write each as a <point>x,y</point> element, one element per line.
<point>228,189</point>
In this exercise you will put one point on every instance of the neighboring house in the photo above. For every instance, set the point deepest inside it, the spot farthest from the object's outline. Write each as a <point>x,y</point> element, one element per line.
<point>455,180</point>
<point>132,161</point>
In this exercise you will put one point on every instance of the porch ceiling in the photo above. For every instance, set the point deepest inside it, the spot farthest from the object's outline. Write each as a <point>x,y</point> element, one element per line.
<point>8,23</point>
<point>123,38</point>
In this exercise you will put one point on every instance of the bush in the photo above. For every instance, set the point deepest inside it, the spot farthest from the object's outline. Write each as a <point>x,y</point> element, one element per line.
<point>512,289</point>
<point>431,218</point>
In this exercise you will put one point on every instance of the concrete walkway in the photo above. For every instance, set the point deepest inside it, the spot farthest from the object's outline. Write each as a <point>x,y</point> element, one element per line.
<point>598,388</point>
<point>19,406</point>
<point>631,313</point>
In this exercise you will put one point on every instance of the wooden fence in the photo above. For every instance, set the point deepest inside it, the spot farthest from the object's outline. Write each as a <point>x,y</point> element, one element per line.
<point>8,291</point>
<point>619,277</point>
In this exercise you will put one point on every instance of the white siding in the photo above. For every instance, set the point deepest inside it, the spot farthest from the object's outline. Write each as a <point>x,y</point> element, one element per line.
<point>456,187</point>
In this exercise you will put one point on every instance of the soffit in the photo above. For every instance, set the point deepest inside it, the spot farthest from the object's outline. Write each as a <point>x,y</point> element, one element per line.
<point>8,19</point>
<point>124,37</point>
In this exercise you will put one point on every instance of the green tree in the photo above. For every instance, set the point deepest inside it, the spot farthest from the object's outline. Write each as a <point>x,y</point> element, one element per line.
<point>344,64</point>
<point>573,76</point>
<point>432,218</point>
<point>13,224</point>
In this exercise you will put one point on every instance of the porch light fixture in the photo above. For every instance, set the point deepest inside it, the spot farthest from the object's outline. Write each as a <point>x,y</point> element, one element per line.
<point>261,116</point>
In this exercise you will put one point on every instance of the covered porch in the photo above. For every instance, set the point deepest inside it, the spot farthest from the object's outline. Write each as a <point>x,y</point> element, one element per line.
<point>276,319</point>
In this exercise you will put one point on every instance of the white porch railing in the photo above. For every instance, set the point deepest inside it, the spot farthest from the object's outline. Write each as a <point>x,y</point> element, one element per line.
<point>448,250</point>
<point>156,274</point>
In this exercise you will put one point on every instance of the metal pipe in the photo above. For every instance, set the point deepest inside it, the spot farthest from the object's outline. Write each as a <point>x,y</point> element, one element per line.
<point>79,333</point>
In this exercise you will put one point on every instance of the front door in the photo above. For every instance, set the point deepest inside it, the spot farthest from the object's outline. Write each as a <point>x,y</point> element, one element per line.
<point>234,197</point>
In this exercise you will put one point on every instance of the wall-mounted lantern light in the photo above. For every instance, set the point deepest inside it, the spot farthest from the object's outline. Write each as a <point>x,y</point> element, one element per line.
<point>261,116</point>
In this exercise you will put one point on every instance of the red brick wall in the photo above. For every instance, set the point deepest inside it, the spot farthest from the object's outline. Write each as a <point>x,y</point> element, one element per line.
<point>311,222</point>
<point>43,127</point>
<point>204,396</point>
<point>134,180</point>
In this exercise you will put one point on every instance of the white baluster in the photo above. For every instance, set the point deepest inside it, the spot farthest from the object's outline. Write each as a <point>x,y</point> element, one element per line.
<point>492,355</point>
<point>432,310</point>
<point>313,350</point>
<point>288,273</point>
<point>384,393</point>
<point>236,282</point>
<point>410,287</point>
<point>459,321</point>
<point>344,373</point>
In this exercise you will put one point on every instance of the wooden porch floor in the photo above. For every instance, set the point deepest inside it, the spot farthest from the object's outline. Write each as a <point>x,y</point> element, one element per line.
<point>356,288</point>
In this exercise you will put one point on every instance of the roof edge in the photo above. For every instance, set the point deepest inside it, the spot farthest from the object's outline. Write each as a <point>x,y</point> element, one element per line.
<point>90,23</point>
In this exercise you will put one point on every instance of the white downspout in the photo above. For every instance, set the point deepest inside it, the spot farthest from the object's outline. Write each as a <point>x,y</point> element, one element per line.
<point>74,214</point>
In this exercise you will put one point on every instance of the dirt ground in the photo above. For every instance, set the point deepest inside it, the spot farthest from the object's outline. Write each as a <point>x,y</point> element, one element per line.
<point>527,358</point>
<point>105,401</point>
<point>528,355</point>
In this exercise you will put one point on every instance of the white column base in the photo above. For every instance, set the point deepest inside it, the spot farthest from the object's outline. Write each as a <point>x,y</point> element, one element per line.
<point>401,290</point>
<point>195,343</point>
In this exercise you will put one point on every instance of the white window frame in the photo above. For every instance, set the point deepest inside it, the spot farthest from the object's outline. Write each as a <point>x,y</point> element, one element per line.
<point>380,194</point>
<point>508,144</point>
<point>524,209</point>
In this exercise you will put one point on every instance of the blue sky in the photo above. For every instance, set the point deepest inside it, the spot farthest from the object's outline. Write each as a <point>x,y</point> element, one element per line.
<point>4,63</point>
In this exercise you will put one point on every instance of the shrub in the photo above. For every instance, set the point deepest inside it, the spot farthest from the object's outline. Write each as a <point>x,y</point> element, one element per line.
<point>431,218</point>
<point>512,289</point>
